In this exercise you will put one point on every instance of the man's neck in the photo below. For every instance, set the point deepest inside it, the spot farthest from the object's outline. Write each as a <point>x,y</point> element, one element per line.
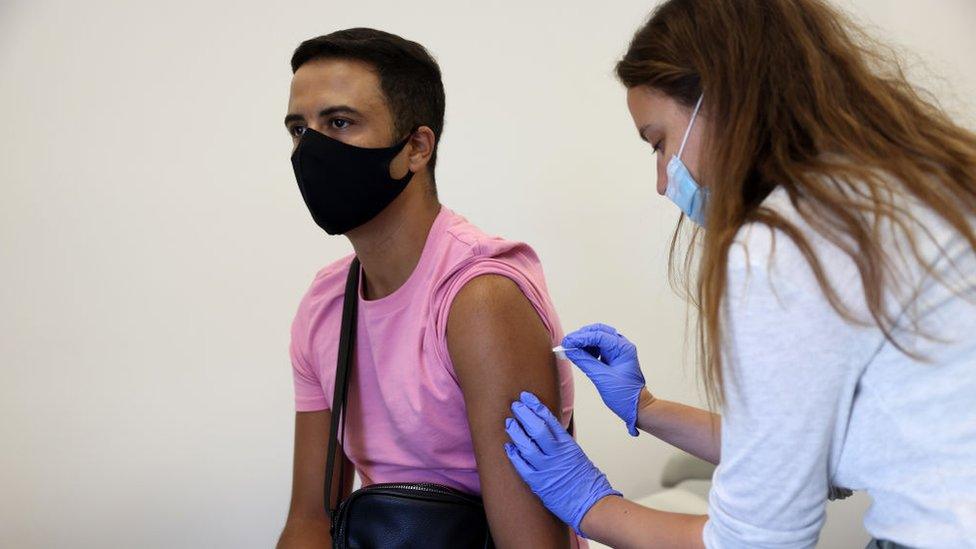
<point>389,246</point>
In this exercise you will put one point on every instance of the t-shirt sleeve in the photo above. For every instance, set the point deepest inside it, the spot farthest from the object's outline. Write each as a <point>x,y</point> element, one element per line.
<point>518,264</point>
<point>309,396</point>
<point>788,368</point>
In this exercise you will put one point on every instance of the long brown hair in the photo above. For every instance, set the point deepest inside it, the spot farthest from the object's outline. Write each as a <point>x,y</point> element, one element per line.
<point>799,98</point>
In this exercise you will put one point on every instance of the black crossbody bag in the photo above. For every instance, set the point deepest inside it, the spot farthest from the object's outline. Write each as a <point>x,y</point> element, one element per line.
<point>407,515</point>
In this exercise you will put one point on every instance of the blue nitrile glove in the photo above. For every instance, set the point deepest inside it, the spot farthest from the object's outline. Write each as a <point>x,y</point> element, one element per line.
<point>552,464</point>
<point>610,361</point>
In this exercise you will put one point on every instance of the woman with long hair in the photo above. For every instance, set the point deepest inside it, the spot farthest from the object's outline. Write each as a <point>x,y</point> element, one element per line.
<point>831,264</point>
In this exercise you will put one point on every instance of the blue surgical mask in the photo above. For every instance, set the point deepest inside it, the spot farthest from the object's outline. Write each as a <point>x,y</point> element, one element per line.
<point>682,188</point>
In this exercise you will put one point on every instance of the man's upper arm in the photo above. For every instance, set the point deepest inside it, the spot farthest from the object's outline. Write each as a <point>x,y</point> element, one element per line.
<point>499,347</point>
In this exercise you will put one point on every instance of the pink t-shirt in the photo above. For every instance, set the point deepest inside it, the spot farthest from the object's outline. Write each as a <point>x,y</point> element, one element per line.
<point>406,417</point>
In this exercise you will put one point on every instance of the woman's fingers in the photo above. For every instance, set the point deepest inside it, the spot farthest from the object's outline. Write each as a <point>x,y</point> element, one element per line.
<point>551,431</point>
<point>584,361</point>
<point>541,410</point>
<point>521,440</point>
<point>521,465</point>
<point>608,344</point>
<point>533,425</point>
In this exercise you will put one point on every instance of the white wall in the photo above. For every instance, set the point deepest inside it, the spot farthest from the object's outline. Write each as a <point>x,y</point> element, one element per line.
<point>154,246</point>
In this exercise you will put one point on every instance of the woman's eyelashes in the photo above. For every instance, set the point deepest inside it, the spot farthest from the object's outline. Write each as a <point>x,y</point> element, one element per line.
<point>657,145</point>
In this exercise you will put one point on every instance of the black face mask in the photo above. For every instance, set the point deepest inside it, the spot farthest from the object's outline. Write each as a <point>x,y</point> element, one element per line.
<point>345,186</point>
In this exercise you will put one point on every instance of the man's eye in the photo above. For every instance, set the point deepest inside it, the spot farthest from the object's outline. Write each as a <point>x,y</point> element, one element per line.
<point>298,131</point>
<point>339,123</point>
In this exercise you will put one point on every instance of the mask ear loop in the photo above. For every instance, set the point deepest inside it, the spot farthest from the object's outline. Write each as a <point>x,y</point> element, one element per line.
<point>403,145</point>
<point>409,135</point>
<point>694,115</point>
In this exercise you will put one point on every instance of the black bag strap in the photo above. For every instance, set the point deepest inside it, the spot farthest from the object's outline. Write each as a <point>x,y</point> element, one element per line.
<point>347,342</point>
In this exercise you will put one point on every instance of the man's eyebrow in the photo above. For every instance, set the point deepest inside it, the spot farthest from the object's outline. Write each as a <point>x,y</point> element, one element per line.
<point>338,109</point>
<point>344,109</point>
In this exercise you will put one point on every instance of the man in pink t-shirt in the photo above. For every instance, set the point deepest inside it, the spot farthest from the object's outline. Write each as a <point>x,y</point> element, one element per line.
<point>452,325</point>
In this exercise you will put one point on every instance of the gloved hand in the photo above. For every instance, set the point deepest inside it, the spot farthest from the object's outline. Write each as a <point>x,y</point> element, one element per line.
<point>610,361</point>
<point>552,464</point>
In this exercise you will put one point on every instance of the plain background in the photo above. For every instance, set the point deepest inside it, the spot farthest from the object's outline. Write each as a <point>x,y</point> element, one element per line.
<point>154,245</point>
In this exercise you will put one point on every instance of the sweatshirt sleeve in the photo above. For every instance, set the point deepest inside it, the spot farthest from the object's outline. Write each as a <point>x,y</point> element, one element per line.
<point>790,366</point>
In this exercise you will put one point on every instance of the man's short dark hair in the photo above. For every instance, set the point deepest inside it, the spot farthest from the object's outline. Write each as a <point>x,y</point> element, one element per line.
<point>409,77</point>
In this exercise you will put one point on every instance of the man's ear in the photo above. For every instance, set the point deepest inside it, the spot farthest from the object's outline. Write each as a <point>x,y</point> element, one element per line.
<point>422,144</point>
